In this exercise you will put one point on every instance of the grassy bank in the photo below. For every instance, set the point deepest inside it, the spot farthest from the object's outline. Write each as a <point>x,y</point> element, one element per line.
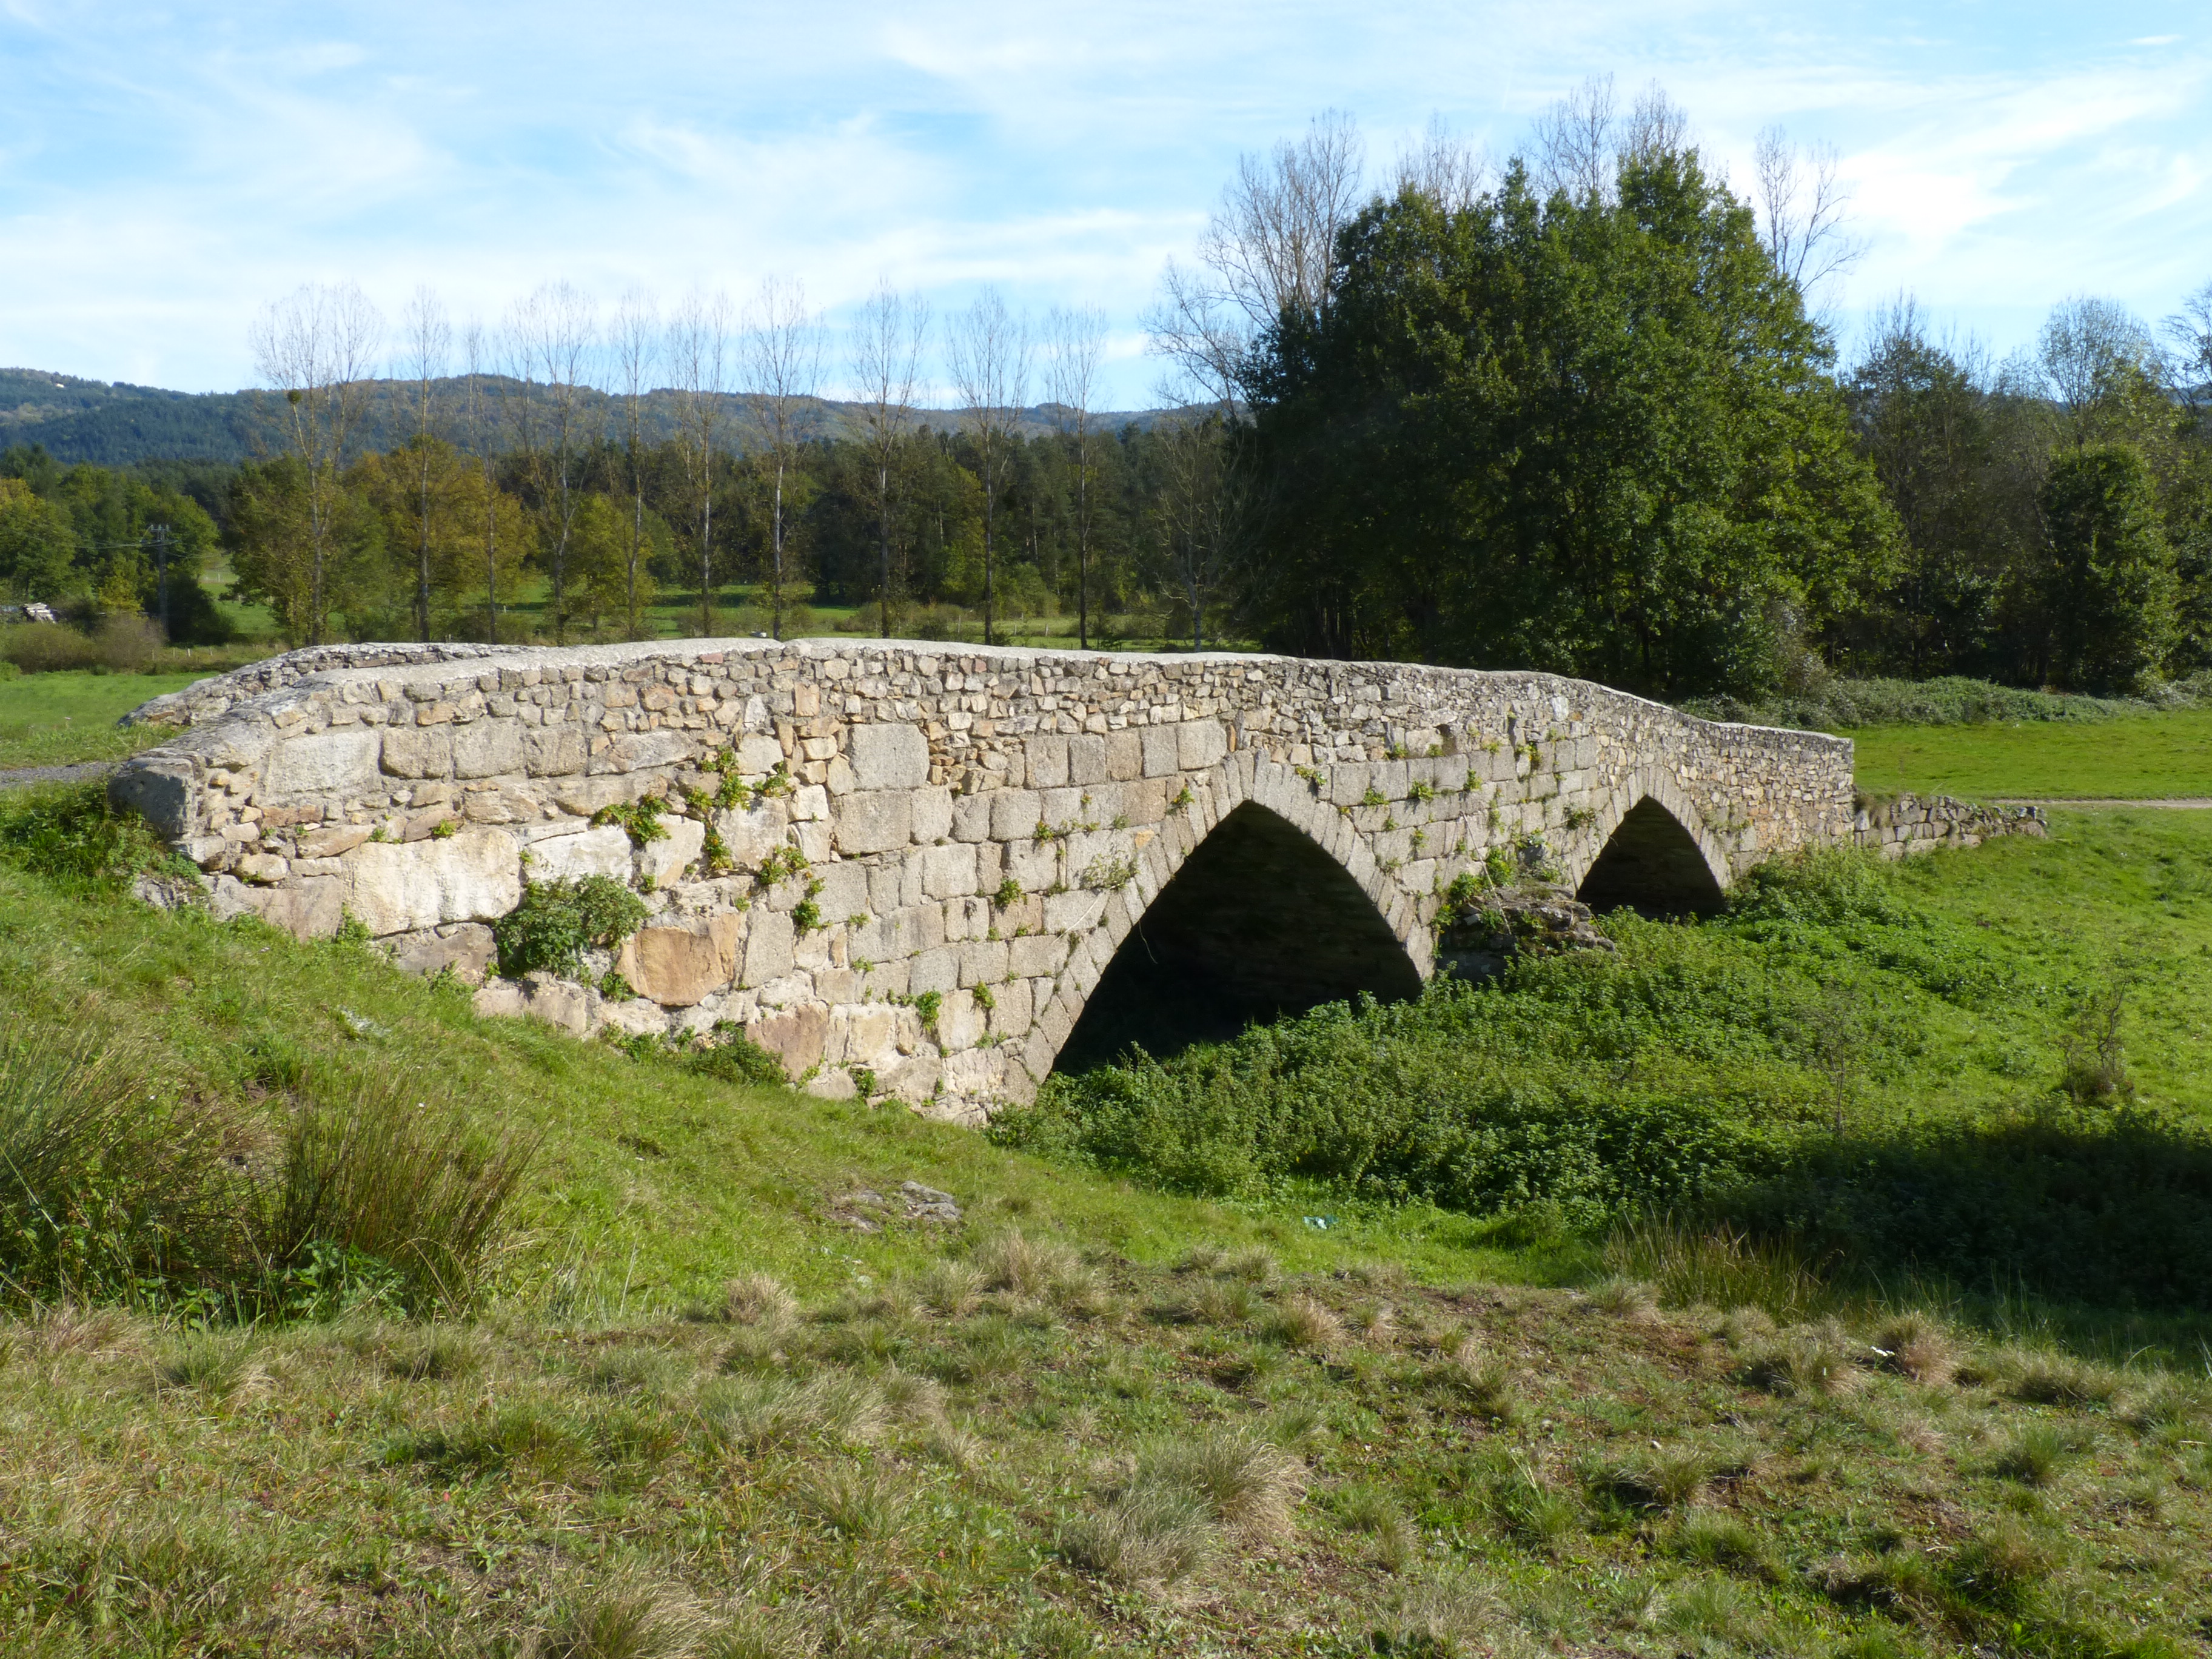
<point>720,1392</point>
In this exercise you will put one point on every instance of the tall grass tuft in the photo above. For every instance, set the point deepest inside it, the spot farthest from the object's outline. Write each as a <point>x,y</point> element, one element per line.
<point>1717,1266</point>
<point>114,1186</point>
<point>110,1187</point>
<point>373,1169</point>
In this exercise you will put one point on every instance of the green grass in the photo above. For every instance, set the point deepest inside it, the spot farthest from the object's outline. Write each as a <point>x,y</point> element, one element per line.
<point>2137,758</point>
<point>1093,1417</point>
<point>52,720</point>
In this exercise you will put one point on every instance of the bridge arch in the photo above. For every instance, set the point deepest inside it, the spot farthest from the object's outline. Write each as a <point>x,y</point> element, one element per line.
<point>1261,900</point>
<point>1649,849</point>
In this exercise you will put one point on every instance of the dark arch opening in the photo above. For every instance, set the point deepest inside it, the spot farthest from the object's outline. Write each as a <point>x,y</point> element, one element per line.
<point>1258,922</point>
<point>1651,864</point>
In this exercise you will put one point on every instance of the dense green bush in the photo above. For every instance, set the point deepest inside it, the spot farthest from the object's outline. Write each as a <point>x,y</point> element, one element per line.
<point>558,920</point>
<point>734,1057</point>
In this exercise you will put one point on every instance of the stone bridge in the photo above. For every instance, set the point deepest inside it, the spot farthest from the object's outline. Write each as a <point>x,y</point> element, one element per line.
<point>928,870</point>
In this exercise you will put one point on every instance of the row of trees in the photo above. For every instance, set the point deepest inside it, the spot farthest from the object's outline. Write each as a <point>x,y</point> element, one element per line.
<point>115,540</point>
<point>1578,412</point>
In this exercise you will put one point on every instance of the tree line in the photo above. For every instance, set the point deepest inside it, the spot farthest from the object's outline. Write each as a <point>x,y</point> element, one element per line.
<point>1577,411</point>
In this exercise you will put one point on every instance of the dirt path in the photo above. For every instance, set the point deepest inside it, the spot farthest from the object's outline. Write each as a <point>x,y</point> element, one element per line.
<point>19,777</point>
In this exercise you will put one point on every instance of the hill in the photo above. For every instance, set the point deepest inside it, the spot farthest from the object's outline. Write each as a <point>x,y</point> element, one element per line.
<point>730,1387</point>
<point>117,424</point>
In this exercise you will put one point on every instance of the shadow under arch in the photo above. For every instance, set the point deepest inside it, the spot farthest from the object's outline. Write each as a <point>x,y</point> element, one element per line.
<point>1258,921</point>
<point>1652,863</point>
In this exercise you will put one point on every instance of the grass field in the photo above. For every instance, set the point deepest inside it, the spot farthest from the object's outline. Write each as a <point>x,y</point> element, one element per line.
<point>2140,758</point>
<point>50,720</point>
<point>723,1397</point>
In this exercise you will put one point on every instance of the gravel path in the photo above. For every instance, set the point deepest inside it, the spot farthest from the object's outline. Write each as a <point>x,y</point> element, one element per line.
<point>21,775</point>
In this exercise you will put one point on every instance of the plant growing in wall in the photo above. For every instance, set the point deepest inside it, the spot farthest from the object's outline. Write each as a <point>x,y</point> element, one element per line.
<point>1108,872</point>
<point>639,818</point>
<point>558,920</point>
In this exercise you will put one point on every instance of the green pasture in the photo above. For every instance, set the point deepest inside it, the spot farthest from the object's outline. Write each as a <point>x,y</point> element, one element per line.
<point>2138,757</point>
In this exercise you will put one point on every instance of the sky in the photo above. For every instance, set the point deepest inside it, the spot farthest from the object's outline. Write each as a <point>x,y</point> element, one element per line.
<point>166,172</point>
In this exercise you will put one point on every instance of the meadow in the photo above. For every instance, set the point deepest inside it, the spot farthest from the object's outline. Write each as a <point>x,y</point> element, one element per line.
<point>718,1382</point>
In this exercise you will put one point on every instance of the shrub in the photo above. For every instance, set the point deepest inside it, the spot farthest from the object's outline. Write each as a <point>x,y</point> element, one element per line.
<point>734,1057</point>
<point>47,647</point>
<point>558,920</point>
<point>70,833</point>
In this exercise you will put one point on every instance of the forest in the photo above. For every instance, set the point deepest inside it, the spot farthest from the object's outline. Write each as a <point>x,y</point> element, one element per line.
<point>1581,413</point>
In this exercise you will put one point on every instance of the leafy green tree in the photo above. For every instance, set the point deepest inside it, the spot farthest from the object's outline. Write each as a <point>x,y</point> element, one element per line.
<point>1598,436</point>
<point>38,544</point>
<point>309,553</point>
<point>2107,588</point>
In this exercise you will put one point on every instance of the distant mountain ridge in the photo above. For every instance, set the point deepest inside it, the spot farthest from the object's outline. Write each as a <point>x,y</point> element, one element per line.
<point>116,424</point>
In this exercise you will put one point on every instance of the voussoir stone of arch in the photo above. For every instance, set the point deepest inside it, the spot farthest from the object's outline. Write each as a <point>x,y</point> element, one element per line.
<point>926,860</point>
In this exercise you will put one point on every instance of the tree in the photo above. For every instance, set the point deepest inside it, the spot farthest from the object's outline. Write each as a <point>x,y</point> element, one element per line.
<point>2108,586</point>
<point>1800,202</point>
<point>698,351</point>
<point>784,353</point>
<point>37,544</point>
<point>478,415</point>
<point>1268,252</point>
<point>1597,436</point>
<point>427,339</point>
<point>636,342</point>
<point>438,512</point>
<point>318,348</point>
<point>305,550</point>
<point>1075,340</point>
<point>990,368</point>
<point>550,338</point>
<point>2094,359</point>
<point>886,366</point>
<point>2190,330</point>
<point>1446,169</point>
<point>1197,513</point>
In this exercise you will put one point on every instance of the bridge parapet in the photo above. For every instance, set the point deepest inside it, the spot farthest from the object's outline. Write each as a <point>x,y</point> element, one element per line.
<point>982,829</point>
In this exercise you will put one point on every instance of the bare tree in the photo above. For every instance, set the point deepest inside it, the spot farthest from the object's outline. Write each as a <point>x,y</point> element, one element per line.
<point>635,341</point>
<point>318,349</point>
<point>990,363</point>
<point>1074,342</point>
<point>2086,350</point>
<point>886,369</point>
<point>1443,167</point>
<point>1198,512</point>
<point>1657,126</point>
<point>783,355</point>
<point>698,362</point>
<point>1577,143</point>
<point>1269,252</point>
<point>1800,203</point>
<point>428,341</point>
<point>475,353</point>
<point>2191,329</point>
<point>550,340</point>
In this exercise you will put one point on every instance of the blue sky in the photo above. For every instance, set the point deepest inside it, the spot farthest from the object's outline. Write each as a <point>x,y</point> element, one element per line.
<point>165,170</point>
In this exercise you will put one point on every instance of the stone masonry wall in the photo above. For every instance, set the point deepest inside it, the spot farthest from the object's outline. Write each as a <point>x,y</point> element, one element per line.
<point>981,824</point>
<point>1908,824</point>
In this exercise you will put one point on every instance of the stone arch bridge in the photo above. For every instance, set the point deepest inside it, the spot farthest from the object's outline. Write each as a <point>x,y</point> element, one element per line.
<point>928,869</point>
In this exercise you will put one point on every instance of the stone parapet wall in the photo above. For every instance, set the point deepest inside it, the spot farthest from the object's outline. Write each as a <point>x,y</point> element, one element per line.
<point>1911,824</point>
<point>980,827</point>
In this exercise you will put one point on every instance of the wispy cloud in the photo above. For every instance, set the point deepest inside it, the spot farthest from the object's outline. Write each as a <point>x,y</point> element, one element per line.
<point>162,172</point>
